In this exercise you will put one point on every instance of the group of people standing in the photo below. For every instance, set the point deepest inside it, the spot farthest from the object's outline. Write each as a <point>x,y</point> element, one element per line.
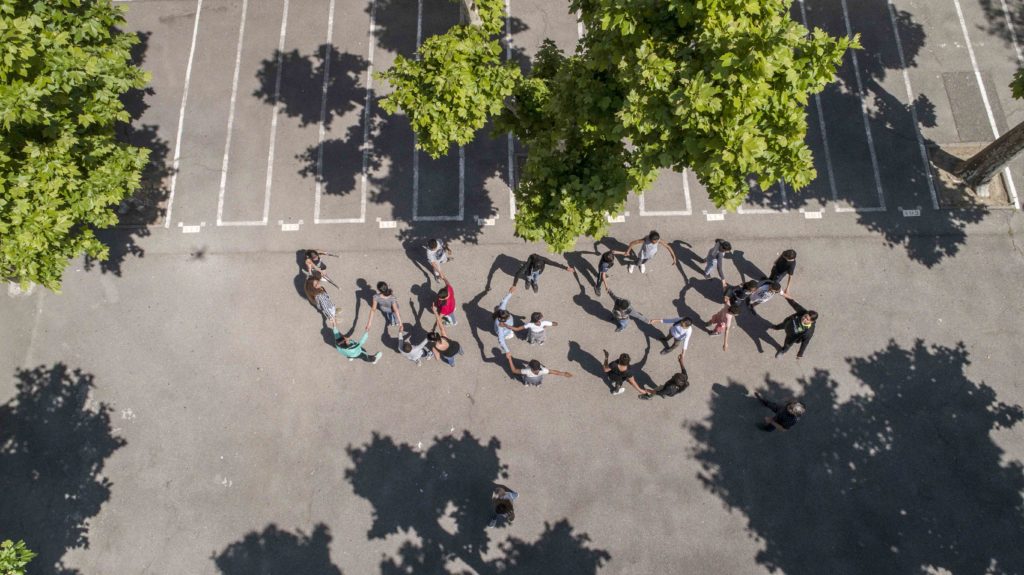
<point>745,297</point>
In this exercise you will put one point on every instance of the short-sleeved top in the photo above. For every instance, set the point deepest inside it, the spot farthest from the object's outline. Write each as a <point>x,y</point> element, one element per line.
<point>436,255</point>
<point>648,249</point>
<point>448,307</point>
<point>323,301</point>
<point>453,348</point>
<point>737,295</point>
<point>783,268</point>
<point>385,302</point>
<point>677,331</point>
<point>603,266</point>
<point>618,376</point>
<point>763,293</point>
<point>535,328</point>
<point>534,377</point>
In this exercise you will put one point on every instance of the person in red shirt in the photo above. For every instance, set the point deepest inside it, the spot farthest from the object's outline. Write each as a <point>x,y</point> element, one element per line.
<point>444,305</point>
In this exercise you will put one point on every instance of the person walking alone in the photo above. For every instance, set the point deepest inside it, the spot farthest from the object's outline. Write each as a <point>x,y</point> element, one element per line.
<point>648,249</point>
<point>504,512</point>
<point>534,266</point>
<point>437,253</point>
<point>785,416</point>
<point>622,310</point>
<point>619,372</point>
<point>675,385</point>
<point>679,333</point>
<point>387,302</point>
<point>799,327</point>
<point>784,267</point>
<point>534,372</point>
<point>536,328</point>
<point>444,303</point>
<point>715,257</point>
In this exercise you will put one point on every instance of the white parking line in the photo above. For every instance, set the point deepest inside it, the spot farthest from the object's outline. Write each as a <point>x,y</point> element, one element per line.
<point>686,195</point>
<point>231,113</point>
<point>984,98</point>
<point>821,124</point>
<point>910,104</point>
<point>416,153</point>
<point>864,117</point>
<point>511,139</point>
<point>181,116</point>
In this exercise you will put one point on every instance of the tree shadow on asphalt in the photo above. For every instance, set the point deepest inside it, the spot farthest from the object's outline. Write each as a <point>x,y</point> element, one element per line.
<point>903,477</point>
<point>275,551</point>
<point>146,205</point>
<point>54,442</point>
<point>440,498</point>
<point>906,178</point>
<point>1003,24</point>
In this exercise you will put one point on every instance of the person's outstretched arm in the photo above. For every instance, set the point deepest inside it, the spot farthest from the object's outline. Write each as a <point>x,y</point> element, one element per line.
<point>671,251</point>
<point>561,373</point>
<point>512,365</point>
<point>792,303</point>
<point>636,386</point>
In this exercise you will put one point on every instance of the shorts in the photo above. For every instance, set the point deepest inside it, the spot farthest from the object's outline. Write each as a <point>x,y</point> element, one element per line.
<point>536,337</point>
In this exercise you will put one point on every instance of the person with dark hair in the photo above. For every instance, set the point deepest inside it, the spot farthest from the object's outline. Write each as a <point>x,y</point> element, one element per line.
<point>437,253</point>
<point>619,372</point>
<point>387,302</point>
<point>721,323</point>
<point>444,303</point>
<point>799,327</point>
<point>784,267</point>
<point>785,416</point>
<point>444,348</point>
<point>606,263</point>
<point>534,266</point>
<point>504,323</point>
<point>766,290</point>
<point>352,349</point>
<point>319,297</point>
<point>504,512</point>
<point>715,257</point>
<point>740,294</point>
<point>534,372</point>
<point>622,310</point>
<point>536,333</point>
<point>414,353</point>
<point>313,261</point>
<point>675,385</point>
<point>679,333</point>
<point>648,249</point>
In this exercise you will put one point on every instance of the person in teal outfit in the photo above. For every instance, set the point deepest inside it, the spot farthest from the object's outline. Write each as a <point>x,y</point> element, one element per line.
<point>352,349</point>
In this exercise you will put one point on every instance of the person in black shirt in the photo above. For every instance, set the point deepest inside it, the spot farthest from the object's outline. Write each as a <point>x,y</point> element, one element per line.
<point>534,266</point>
<point>740,294</point>
<point>784,267</point>
<point>799,327</point>
<point>619,372</point>
<point>606,263</point>
<point>785,416</point>
<point>674,386</point>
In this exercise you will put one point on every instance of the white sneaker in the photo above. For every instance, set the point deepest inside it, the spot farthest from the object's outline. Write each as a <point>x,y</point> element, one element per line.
<point>631,268</point>
<point>643,269</point>
<point>377,356</point>
<point>620,390</point>
<point>509,335</point>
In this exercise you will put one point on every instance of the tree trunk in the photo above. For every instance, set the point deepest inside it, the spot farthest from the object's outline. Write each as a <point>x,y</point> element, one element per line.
<point>470,12</point>
<point>978,170</point>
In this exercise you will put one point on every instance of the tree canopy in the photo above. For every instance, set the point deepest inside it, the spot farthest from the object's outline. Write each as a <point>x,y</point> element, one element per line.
<point>718,87</point>
<point>64,66</point>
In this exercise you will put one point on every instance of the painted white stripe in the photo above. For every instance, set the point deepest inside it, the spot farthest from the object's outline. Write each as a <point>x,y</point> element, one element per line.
<point>715,217</point>
<point>911,213</point>
<point>321,132</point>
<point>821,124</point>
<point>816,215</point>
<point>231,114</point>
<point>181,116</point>
<point>511,139</point>
<point>910,104</point>
<point>984,98</point>
<point>1013,32</point>
<point>190,229</point>
<point>580,31</point>
<point>686,195</point>
<point>864,112</point>
<point>277,107</point>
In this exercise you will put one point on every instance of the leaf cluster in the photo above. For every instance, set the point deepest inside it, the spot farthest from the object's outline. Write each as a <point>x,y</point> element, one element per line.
<point>14,557</point>
<point>63,68</point>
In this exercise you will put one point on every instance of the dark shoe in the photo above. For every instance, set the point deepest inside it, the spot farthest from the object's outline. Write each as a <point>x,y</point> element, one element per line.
<point>666,351</point>
<point>535,288</point>
<point>645,396</point>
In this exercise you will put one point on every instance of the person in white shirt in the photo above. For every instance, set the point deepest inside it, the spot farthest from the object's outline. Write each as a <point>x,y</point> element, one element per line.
<point>536,334</point>
<point>534,372</point>
<point>414,353</point>
<point>679,333</point>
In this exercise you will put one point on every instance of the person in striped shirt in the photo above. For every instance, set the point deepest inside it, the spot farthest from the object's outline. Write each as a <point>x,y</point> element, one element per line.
<point>319,298</point>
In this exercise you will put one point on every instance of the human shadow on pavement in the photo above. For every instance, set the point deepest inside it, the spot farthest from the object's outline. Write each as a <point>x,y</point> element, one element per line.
<point>683,309</point>
<point>275,550</point>
<point>450,482</point>
<point>688,259</point>
<point>748,270</point>
<point>756,327</point>
<point>479,315</point>
<point>904,476</point>
<point>587,362</point>
<point>54,443</point>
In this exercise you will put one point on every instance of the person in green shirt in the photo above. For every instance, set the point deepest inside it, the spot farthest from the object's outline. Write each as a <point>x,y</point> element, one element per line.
<point>352,349</point>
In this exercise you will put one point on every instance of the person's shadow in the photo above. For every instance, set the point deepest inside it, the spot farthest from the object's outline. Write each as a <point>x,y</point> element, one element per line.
<point>687,258</point>
<point>685,310</point>
<point>590,305</point>
<point>746,268</point>
<point>756,327</point>
<point>587,363</point>
<point>300,278</point>
<point>481,319</point>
